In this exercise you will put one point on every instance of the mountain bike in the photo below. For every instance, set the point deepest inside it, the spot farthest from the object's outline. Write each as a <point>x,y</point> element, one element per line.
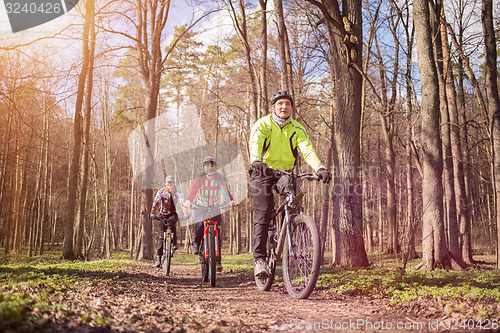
<point>168,247</point>
<point>298,241</point>
<point>209,247</point>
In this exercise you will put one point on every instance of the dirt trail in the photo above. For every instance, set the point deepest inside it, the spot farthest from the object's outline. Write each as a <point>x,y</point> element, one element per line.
<point>145,300</point>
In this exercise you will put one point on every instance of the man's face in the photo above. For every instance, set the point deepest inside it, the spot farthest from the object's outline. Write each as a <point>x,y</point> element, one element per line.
<point>282,108</point>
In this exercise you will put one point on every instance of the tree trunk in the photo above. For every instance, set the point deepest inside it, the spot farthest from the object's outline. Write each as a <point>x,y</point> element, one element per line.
<point>450,208</point>
<point>240,23</point>
<point>347,191</point>
<point>278,7</point>
<point>460,250</point>
<point>433,244</point>
<point>151,20</point>
<point>326,204</point>
<point>86,141</point>
<point>131,216</point>
<point>289,70</point>
<point>263,60</point>
<point>46,179</point>
<point>411,220</point>
<point>393,244</point>
<point>68,250</point>
<point>381,230</point>
<point>4,227</point>
<point>15,199</point>
<point>493,108</point>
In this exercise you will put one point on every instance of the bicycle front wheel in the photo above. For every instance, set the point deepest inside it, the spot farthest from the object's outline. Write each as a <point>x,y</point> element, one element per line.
<point>301,264</point>
<point>167,250</point>
<point>212,259</point>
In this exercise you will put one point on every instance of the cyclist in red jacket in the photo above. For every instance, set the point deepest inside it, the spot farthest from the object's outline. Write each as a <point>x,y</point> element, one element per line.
<point>207,190</point>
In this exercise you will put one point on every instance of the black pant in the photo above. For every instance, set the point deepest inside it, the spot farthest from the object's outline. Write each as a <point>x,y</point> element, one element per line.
<point>261,189</point>
<point>199,216</point>
<point>163,222</point>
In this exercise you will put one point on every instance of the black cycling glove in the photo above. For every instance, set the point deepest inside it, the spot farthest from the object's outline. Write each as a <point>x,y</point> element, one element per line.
<point>326,176</point>
<point>259,166</point>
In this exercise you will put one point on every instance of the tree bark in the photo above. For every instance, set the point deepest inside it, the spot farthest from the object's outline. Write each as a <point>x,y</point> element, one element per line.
<point>347,191</point>
<point>433,244</point>
<point>86,134</point>
<point>152,18</point>
<point>240,24</point>
<point>326,204</point>
<point>68,250</point>
<point>278,7</point>
<point>460,246</point>
<point>450,208</point>
<point>493,107</point>
<point>263,60</point>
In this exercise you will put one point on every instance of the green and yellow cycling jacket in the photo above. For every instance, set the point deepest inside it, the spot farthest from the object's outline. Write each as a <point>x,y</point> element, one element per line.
<point>278,147</point>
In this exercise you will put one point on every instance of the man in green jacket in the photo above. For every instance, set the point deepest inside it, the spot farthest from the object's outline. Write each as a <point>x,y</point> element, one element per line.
<point>275,141</point>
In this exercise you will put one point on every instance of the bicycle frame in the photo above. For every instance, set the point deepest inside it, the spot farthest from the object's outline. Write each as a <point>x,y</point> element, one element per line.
<point>168,234</point>
<point>289,206</point>
<point>209,256</point>
<point>207,224</point>
<point>284,226</point>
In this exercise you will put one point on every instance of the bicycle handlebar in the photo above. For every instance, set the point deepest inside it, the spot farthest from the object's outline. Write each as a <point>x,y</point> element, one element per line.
<point>308,176</point>
<point>223,206</point>
<point>158,217</point>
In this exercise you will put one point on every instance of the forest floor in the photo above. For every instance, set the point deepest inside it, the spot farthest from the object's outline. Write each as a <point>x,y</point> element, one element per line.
<point>145,300</point>
<point>141,298</point>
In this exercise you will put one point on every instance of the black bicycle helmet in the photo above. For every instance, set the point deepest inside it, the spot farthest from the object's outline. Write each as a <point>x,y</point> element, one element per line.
<point>209,159</point>
<point>281,94</point>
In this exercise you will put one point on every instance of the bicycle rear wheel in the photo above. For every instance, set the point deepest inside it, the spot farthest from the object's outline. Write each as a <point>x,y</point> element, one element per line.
<point>167,257</point>
<point>212,259</point>
<point>301,267</point>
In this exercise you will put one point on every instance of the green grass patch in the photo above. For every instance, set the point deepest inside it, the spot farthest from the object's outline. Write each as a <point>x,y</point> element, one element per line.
<point>449,286</point>
<point>29,286</point>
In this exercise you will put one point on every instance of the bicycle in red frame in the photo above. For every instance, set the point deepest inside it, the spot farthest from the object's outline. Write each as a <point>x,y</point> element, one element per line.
<point>209,247</point>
